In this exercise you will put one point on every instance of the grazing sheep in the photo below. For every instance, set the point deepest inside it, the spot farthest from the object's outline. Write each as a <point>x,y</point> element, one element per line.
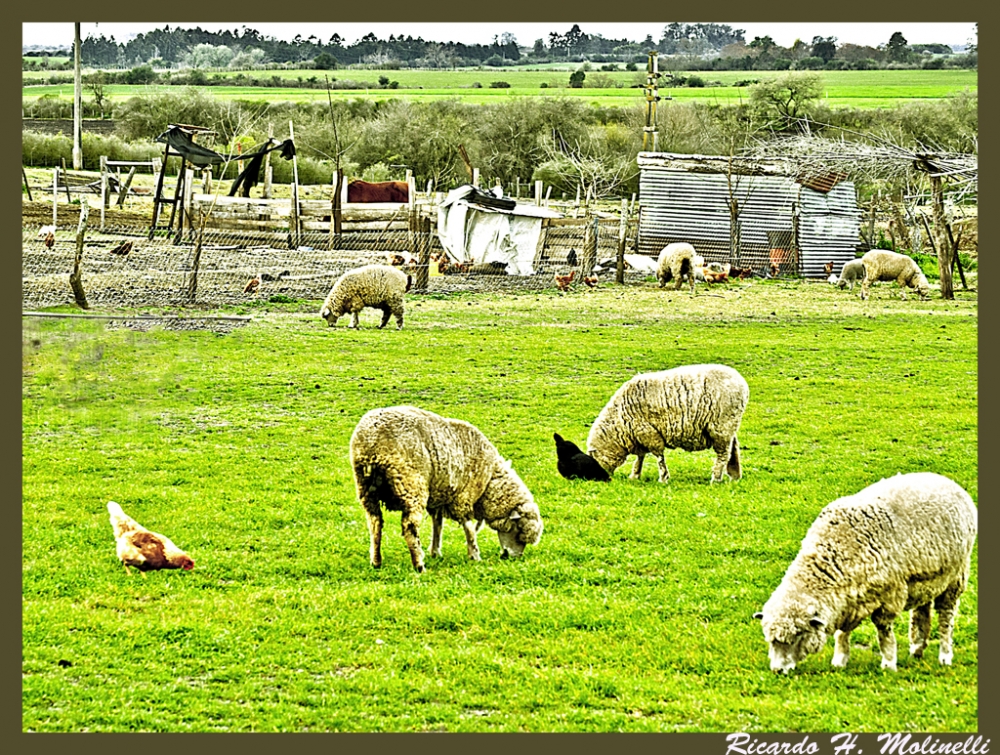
<point>571,462</point>
<point>414,461</point>
<point>883,265</point>
<point>676,262</point>
<point>377,286</point>
<point>900,544</point>
<point>692,407</point>
<point>850,273</point>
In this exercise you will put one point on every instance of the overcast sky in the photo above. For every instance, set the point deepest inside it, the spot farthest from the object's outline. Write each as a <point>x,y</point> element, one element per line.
<point>785,34</point>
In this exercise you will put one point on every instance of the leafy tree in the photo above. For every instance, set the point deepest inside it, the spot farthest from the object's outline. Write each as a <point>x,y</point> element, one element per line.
<point>576,79</point>
<point>788,94</point>
<point>897,50</point>
<point>824,47</point>
<point>325,61</point>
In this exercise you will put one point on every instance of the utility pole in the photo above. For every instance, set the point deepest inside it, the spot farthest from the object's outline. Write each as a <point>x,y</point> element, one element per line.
<point>77,101</point>
<point>649,133</point>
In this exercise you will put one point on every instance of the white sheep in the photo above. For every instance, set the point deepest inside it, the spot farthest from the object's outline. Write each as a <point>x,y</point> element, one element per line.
<point>694,407</point>
<point>676,262</point>
<point>900,544</point>
<point>377,286</point>
<point>883,265</point>
<point>850,273</point>
<point>415,461</point>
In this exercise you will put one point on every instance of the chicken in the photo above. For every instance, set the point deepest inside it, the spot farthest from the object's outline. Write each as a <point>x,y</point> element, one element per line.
<point>563,281</point>
<point>50,239</point>
<point>828,269</point>
<point>773,270</point>
<point>740,272</point>
<point>572,462</point>
<point>591,281</point>
<point>715,276</point>
<point>145,550</point>
<point>571,258</point>
<point>122,249</point>
<point>252,285</point>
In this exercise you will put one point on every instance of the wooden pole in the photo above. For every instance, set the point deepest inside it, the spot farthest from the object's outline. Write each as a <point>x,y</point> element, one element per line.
<point>77,101</point>
<point>294,219</point>
<point>945,263</point>
<point>105,193</point>
<point>538,193</point>
<point>622,233</point>
<point>423,252</point>
<point>75,278</point>
<point>55,193</point>
<point>267,164</point>
<point>27,186</point>
<point>589,256</point>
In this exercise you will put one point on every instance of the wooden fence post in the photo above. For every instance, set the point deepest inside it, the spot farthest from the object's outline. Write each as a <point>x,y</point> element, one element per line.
<point>75,281</point>
<point>294,219</point>
<point>590,233</point>
<point>424,252</point>
<point>622,233</point>
<point>192,287</point>
<point>55,193</point>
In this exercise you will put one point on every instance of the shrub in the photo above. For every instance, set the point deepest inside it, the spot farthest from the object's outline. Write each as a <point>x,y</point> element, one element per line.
<point>576,79</point>
<point>499,85</point>
<point>695,81</point>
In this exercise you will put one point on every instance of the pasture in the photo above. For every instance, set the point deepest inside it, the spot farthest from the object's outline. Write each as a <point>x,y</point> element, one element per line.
<point>863,89</point>
<point>632,614</point>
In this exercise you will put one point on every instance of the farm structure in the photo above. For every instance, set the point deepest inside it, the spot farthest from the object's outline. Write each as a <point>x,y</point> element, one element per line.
<point>749,213</point>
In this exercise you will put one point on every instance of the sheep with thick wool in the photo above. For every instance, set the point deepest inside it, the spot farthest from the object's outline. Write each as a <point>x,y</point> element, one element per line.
<point>417,462</point>
<point>904,543</point>
<point>676,262</point>
<point>377,286</point>
<point>850,273</point>
<point>694,407</point>
<point>883,265</point>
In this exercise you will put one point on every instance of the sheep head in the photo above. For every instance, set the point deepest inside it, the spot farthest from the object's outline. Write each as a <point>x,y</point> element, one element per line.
<point>793,632</point>
<point>523,526</point>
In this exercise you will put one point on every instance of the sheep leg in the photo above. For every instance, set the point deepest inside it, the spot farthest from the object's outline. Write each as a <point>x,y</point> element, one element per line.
<point>902,289</point>
<point>637,467</point>
<point>883,621</point>
<point>865,286</point>
<point>375,534</point>
<point>437,523</point>
<point>356,318</point>
<point>946,605</point>
<point>841,647</point>
<point>920,629</point>
<point>386,312</point>
<point>734,469</point>
<point>471,526</point>
<point>411,526</point>
<point>661,463</point>
<point>723,456</point>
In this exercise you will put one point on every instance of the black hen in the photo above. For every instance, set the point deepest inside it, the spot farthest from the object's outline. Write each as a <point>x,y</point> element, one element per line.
<point>572,462</point>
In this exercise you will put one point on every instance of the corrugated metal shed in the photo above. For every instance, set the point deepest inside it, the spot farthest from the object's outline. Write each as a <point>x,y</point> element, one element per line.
<point>686,198</point>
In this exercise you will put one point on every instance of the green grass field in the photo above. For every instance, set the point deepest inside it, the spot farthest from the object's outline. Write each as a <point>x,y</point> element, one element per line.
<point>632,614</point>
<point>842,88</point>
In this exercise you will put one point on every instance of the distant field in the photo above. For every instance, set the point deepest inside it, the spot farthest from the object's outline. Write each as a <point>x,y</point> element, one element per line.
<point>842,88</point>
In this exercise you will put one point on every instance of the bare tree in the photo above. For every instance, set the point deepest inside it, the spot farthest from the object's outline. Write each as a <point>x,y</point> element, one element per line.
<point>870,158</point>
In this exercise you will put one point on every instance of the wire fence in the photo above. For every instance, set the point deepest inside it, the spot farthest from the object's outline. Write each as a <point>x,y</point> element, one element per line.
<point>121,267</point>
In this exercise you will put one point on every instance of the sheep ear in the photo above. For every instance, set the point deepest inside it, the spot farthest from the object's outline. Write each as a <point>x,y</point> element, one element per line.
<point>759,615</point>
<point>325,312</point>
<point>817,623</point>
<point>514,516</point>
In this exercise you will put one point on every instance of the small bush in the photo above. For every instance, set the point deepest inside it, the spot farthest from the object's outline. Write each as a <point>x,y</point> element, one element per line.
<point>499,85</point>
<point>695,82</point>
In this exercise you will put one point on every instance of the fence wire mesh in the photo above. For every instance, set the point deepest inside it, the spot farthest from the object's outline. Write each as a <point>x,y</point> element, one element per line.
<point>121,267</point>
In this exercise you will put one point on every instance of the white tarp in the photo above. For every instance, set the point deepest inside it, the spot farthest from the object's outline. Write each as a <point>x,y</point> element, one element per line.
<point>470,232</point>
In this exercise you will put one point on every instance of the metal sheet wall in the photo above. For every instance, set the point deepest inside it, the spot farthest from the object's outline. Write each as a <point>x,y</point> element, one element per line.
<point>689,206</point>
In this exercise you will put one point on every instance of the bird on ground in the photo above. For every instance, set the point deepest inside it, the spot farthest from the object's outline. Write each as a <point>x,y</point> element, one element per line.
<point>122,249</point>
<point>571,462</point>
<point>145,550</point>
